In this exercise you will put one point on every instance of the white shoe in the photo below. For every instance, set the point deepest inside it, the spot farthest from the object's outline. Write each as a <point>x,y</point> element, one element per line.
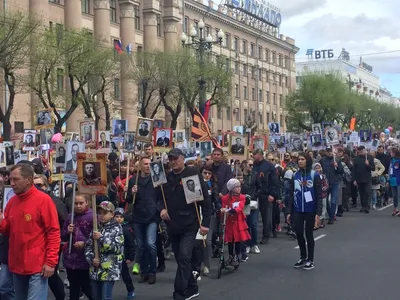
<point>374,207</point>
<point>206,271</point>
<point>66,282</point>
<point>255,249</point>
<point>248,250</point>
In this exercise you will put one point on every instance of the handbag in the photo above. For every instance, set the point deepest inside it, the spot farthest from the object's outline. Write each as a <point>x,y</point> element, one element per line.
<point>254,204</point>
<point>375,180</point>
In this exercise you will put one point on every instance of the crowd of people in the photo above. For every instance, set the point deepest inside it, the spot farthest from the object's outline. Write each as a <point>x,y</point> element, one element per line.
<point>138,223</point>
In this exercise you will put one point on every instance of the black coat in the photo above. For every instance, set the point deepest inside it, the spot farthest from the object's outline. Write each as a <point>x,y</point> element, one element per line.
<point>184,216</point>
<point>270,185</point>
<point>129,242</point>
<point>361,172</point>
<point>222,174</point>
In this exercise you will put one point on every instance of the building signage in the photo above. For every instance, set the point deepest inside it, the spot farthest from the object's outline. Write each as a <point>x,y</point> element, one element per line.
<point>258,9</point>
<point>366,67</point>
<point>320,54</point>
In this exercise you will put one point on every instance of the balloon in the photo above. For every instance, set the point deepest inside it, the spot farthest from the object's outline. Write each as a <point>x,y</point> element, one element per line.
<point>387,131</point>
<point>57,138</point>
<point>390,128</point>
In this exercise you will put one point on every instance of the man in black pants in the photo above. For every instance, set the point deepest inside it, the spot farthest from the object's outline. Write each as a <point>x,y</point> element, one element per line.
<point>363,165</point>
<point>183,223</point>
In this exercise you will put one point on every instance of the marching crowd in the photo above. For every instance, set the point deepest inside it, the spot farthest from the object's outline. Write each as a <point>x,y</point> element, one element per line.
<point>139,223</point>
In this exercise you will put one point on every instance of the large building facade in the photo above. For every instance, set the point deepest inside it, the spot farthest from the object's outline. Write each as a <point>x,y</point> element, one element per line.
<point>263,63</point>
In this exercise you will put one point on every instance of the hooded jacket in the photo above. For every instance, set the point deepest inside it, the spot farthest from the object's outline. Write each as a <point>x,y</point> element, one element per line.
<point>31,222</point>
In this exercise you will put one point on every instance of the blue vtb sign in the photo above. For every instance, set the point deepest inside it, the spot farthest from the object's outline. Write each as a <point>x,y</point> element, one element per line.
<point>259,9</point>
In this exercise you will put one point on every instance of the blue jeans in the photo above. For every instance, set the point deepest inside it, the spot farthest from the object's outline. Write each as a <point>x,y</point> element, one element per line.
<point>374,197</point>
<point>6,284</point>
<point>146,236</point>
<point>396,194</point>
<point>252,222</point>
<point>30,287</point>
<point>334,192</point>
<point>102,290</point>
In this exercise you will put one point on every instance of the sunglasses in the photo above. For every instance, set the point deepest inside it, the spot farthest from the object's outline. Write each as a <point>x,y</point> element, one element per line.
<point>40,184</point>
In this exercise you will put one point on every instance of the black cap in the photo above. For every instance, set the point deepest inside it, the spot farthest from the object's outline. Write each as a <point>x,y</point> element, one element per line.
<point>258,151</point>
<point>329,148</point>
<point>176,152</point>
<point>361,148</point>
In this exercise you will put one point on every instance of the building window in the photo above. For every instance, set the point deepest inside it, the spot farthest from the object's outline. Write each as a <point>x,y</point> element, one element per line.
<point>55,1</point>
<point>260,53</point>
<point>245,71</point>
<point>186,25</point>
<point>253,72</point>
<point>286,81</point>
<point>260,95</point>
<point>196,27</point>
<point>227,64</point>
<point>85,6</point>
<point>287,63</point>
<point>236,44</point>
<point>267,117</point>
<point>267,58</point>
<point>237,91</point>
<point>158,25</point>
<point>117,94</point>
<point>236,67</point>
<point>273,57</point>
<point>59,33</point>
<point>267,96</point>
<point>259,74</point>
<point>19,127</point>
<point>244,47</point>
<point>274,98</point>
<point>206,31</point>
<point>267,77</point>
<point>51,26</point>
<point>227,41</point>
<point>281,100</point>
<point>60,80</point>
<point>137,17</point>
<point>228,113</point>
<point>237,115</point>
<point>113,11</point>
<point>219,114</point>
<point>281,120</point>
<point>252,54</point>
<point>245,92</point>
<point>253,94</point>
<point>280,80</point>
<point>260,117</point>
<point>280,61</point>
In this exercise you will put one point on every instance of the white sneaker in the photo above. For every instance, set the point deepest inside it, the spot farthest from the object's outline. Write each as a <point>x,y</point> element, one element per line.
<point>248,250</point>
<point>255,249</point>
<point>66,282</point>
<point>374,207</point>
<point>206,271</point>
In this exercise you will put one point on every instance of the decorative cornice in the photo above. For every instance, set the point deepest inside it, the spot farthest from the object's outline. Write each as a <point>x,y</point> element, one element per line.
<point>150,20</point>
<point>127,10</point>
<point>170,27</point>
<point>101,4</point>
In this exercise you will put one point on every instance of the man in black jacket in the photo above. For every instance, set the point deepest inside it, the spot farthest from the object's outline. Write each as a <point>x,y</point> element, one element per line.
<point>363,165</point>
<point>183,223</point>
<point>268,192</point>
<point>222,171</point>
<point>384,158</point>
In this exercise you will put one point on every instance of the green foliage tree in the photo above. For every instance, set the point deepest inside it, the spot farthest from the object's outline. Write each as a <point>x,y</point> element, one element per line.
<point>15,31</point>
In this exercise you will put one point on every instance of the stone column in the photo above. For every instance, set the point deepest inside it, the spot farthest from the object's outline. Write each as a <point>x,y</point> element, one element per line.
<point>73,21</point>
<point>128,86</point>
<point>150,10</point>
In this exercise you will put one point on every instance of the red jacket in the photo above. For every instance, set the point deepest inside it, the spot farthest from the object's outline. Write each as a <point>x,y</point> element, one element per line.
<point>31,222</point>
<point>236,229</point>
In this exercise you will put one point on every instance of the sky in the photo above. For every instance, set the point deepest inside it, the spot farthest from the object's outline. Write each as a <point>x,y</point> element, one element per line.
<point>363,27</point>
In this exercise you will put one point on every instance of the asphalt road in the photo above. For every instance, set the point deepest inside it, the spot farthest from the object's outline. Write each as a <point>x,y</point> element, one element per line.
<point>356,258</point>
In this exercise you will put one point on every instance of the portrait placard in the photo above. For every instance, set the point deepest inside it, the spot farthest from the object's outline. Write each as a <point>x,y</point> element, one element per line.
<point>274,128</point>
<point>237,145</point>
<point>8,192</point>
<point>296,143</point>
<point>163,137</point>
<point>129,141</point>
<point>92,173</point>
<point>44,119</point>
<point>332,136</point>
<point>192,188</point>
<point>10,160</point>
<point>103,139</point>
<point>178,136</point>
<point>119,129</point>
<point>17,156</point>
<point>29,140</point>
<point>258,142</point>
<point>365,136</point>
<point>75,137</point>
<point>316,128</point>
<point>46,135</point>
<point>61,151</point>
<point>205,148</point>
<point>144,130</point>
<point>157,173</point>
<point>71,158</point>
<point>87,132</point>
<point>2,156</point>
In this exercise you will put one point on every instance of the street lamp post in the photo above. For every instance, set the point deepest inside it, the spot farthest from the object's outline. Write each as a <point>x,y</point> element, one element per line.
<point>201,45</point>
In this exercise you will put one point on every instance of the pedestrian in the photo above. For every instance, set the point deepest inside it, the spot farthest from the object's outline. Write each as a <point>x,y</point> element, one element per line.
<point>31,222</point>
<point>394,179</point>
<point>376,182</point>
<point>105,270</point>
<point>75,262</point>
<point>183,223</point>
<point>305,208</point>
<point>324,191</point>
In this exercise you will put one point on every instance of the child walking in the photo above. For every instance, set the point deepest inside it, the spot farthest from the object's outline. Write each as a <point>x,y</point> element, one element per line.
<point>129,251</point>
<point>325,187</point>
<point>236,230</point>
<point>75,262</point>
<point>105,270</point>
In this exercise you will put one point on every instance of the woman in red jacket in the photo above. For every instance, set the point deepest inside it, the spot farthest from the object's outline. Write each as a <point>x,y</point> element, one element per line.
<point>236,230</point>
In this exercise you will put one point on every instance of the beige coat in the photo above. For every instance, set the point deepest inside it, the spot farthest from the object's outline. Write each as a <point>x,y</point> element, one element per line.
<point>379,169</point>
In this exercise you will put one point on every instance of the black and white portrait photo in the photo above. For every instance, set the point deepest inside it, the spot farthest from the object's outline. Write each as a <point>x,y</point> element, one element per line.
<point>297,143</point>
<point>75,137</point>
<point>144,130</point>
<point>2,156</point>
<point>179,136</point>
<point>29,140</point>
<point>139,146</point>
<point>46,135</point>
<point>163,137</point>
<point>104,139</point>
<point>43,119</point>
<point>365,136</point>
<point>71,158</point>
<point>259,143</point>
<point>316,140</point>
<point>17,156</point>
<point>316,128</point>
<point>91,173</point>
<point>61,152</point>
<point>332,137</point>
<point>273,128</point>
<point>8,193</point>
<point>129,141</point>
<point>281,142</point>
<point>158,124</point>
<point>237,146</point>
<point>157,173</point>
<point>119,128</point>
<point>192,188</point>
<point>326,126</point>
<point>10,160</point>
<point>238,129</point>
<point>87,132</point>
<point>205,148</point>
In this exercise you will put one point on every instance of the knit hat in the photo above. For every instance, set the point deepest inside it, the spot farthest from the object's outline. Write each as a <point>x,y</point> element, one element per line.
<point>119,212</point>
<point>232,183</point>
<point>316,165</point>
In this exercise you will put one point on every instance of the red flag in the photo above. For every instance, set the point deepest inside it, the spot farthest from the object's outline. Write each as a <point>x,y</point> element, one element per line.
<point>353,123</point>
<point>207,107</point>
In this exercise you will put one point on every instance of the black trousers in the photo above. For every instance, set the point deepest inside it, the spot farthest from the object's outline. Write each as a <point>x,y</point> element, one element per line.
<point>266,216</point>
<point>365,190</point>
<point>298,221</point>
<point>276,215</point>
<point>126,277</point>
<point>354,194</point>
<point>182,246</point>
<point>160,249</point>
<point>197,255</point>
<point>79,280</point>
<point>235,246</point>
<point>56,285</point>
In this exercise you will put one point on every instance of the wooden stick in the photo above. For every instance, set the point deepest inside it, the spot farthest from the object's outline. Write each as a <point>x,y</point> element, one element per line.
<point>198,217</point>
<point>72,217</point>
<point>137,174</point>
<point>95,228</point>
<point>127,174</point>
<point>163,195</point>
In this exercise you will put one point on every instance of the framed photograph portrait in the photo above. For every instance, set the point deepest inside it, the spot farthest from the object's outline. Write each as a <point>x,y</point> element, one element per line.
<point>274,128</point>
<point>258,142</point>
<point>87,132</point>
<point>398,135</point>
<point>192,188</point>
<point>326,126</point>
<point>75,137</point>
<point>17,156</point>
<point>179,136</point>
<point>139,146</point>
<point>225,139</point>
<point>205,148</point>
<point>92,173</point>
<point>129,141</point>
<point>61,151</point>
<point>103,139</point>
<point>10,160</point>
<point>2,156</point>
<point>332,136</point>
<point>238,129</point>
<point>29,140</point>
<point>189,152</point>
<point>144,130</point>
<point>316,128</point>
<point>158,124</point>
<point>281,142</point>
<point>119,128</point>
<point>71,157</point>
<point>365,136</point>
<point>46,135</point>
<point>237,145</point>
<point>163,137</point>
<point>157,173</point>
<point>316,140</point>
<point>44,119</point>
<point>8,192</point>
<point>296,143</point>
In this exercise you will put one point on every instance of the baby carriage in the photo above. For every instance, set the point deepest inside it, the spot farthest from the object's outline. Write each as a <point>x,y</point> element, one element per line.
<point>382,192</point>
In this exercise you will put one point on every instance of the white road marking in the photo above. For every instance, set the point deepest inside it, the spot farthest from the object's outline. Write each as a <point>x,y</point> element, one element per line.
<point>389,205</point>
<point>315,239</point>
